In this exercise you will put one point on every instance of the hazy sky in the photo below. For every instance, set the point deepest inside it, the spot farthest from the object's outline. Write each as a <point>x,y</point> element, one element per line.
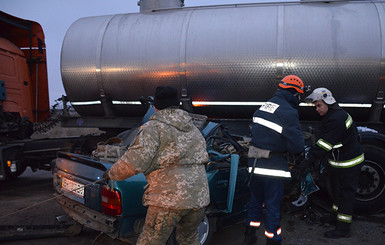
<point>55,16</point>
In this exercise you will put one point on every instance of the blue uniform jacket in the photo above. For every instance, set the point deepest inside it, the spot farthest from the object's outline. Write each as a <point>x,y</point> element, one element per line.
<point>276,128</point>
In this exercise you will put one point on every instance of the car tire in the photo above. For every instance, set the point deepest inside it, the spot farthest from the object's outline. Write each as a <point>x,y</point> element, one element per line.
<point>205,232</point>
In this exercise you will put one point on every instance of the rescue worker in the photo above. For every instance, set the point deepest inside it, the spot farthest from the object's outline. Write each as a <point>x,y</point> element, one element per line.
<point>338,140</point>
<point>275,132</point>
<point>171,152</point>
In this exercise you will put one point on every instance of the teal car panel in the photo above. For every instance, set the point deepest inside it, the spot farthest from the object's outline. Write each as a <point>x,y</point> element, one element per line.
<point>227,177</point>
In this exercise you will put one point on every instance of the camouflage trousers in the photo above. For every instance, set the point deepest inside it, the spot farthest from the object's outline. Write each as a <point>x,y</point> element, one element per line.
<point>160,222</point>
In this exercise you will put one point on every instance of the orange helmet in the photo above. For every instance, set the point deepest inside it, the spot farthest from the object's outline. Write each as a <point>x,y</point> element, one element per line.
<point>292,81</point>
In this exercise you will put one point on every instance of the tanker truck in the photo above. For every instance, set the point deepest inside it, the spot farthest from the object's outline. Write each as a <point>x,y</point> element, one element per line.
<point>226,61</point>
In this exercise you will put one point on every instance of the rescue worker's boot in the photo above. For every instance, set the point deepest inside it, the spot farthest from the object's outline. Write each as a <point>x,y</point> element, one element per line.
<point>272,242</point>
<point>342,230</point>
<point>250,235</point>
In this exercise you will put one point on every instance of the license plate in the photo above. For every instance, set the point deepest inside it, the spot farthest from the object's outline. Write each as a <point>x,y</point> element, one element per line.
<point>74,187</point>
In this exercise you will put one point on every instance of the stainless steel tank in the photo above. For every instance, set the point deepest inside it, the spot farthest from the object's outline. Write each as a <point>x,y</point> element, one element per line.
<point>229,58</point>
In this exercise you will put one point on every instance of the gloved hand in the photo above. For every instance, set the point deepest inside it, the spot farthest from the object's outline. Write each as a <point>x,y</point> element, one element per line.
<point>106,175</point>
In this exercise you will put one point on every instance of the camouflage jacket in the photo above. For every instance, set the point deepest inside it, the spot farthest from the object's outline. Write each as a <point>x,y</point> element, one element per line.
<point>170,151</point>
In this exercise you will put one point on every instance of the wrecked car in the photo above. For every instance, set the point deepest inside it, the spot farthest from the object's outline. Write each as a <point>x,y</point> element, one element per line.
<point>116,208</point>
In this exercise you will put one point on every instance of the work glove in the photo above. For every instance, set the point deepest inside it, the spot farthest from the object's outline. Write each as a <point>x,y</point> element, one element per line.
<point>106,175</point>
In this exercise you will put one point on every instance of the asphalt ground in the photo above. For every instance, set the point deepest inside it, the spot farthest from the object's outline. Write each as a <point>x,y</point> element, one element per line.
<point>36,190</point>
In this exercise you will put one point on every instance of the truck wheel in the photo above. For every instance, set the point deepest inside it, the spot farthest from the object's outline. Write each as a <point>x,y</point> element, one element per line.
<point>370,196</point>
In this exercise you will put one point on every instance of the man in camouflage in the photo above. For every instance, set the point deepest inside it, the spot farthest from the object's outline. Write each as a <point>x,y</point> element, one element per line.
<point>170,151</point>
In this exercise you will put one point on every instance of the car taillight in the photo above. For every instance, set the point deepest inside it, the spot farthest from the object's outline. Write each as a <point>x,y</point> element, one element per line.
<point>111,202</point>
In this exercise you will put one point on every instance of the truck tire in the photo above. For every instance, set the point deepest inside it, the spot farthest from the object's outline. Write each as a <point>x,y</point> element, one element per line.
<point>370,196</point>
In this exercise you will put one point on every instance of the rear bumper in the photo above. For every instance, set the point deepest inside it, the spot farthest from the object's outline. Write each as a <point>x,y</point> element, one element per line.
<point>88,217</point>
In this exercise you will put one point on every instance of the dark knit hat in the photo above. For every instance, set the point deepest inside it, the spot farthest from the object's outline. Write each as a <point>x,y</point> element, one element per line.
<point>166,97</point>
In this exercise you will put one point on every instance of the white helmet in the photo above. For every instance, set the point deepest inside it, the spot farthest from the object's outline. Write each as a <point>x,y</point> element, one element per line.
<point>321,94</point>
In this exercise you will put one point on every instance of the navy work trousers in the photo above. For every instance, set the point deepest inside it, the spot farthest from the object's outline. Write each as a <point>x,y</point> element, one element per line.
<point>344,182</point>
<point>266,191</point>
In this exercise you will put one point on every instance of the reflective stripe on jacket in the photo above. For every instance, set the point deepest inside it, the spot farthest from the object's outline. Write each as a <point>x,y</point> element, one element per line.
<point>348,163</point>
<point>270,172</point>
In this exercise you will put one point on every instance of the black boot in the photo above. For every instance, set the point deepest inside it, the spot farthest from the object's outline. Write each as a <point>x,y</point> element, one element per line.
<point>272,242</point>
<point>250,235</point>
<point>342,230</point>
